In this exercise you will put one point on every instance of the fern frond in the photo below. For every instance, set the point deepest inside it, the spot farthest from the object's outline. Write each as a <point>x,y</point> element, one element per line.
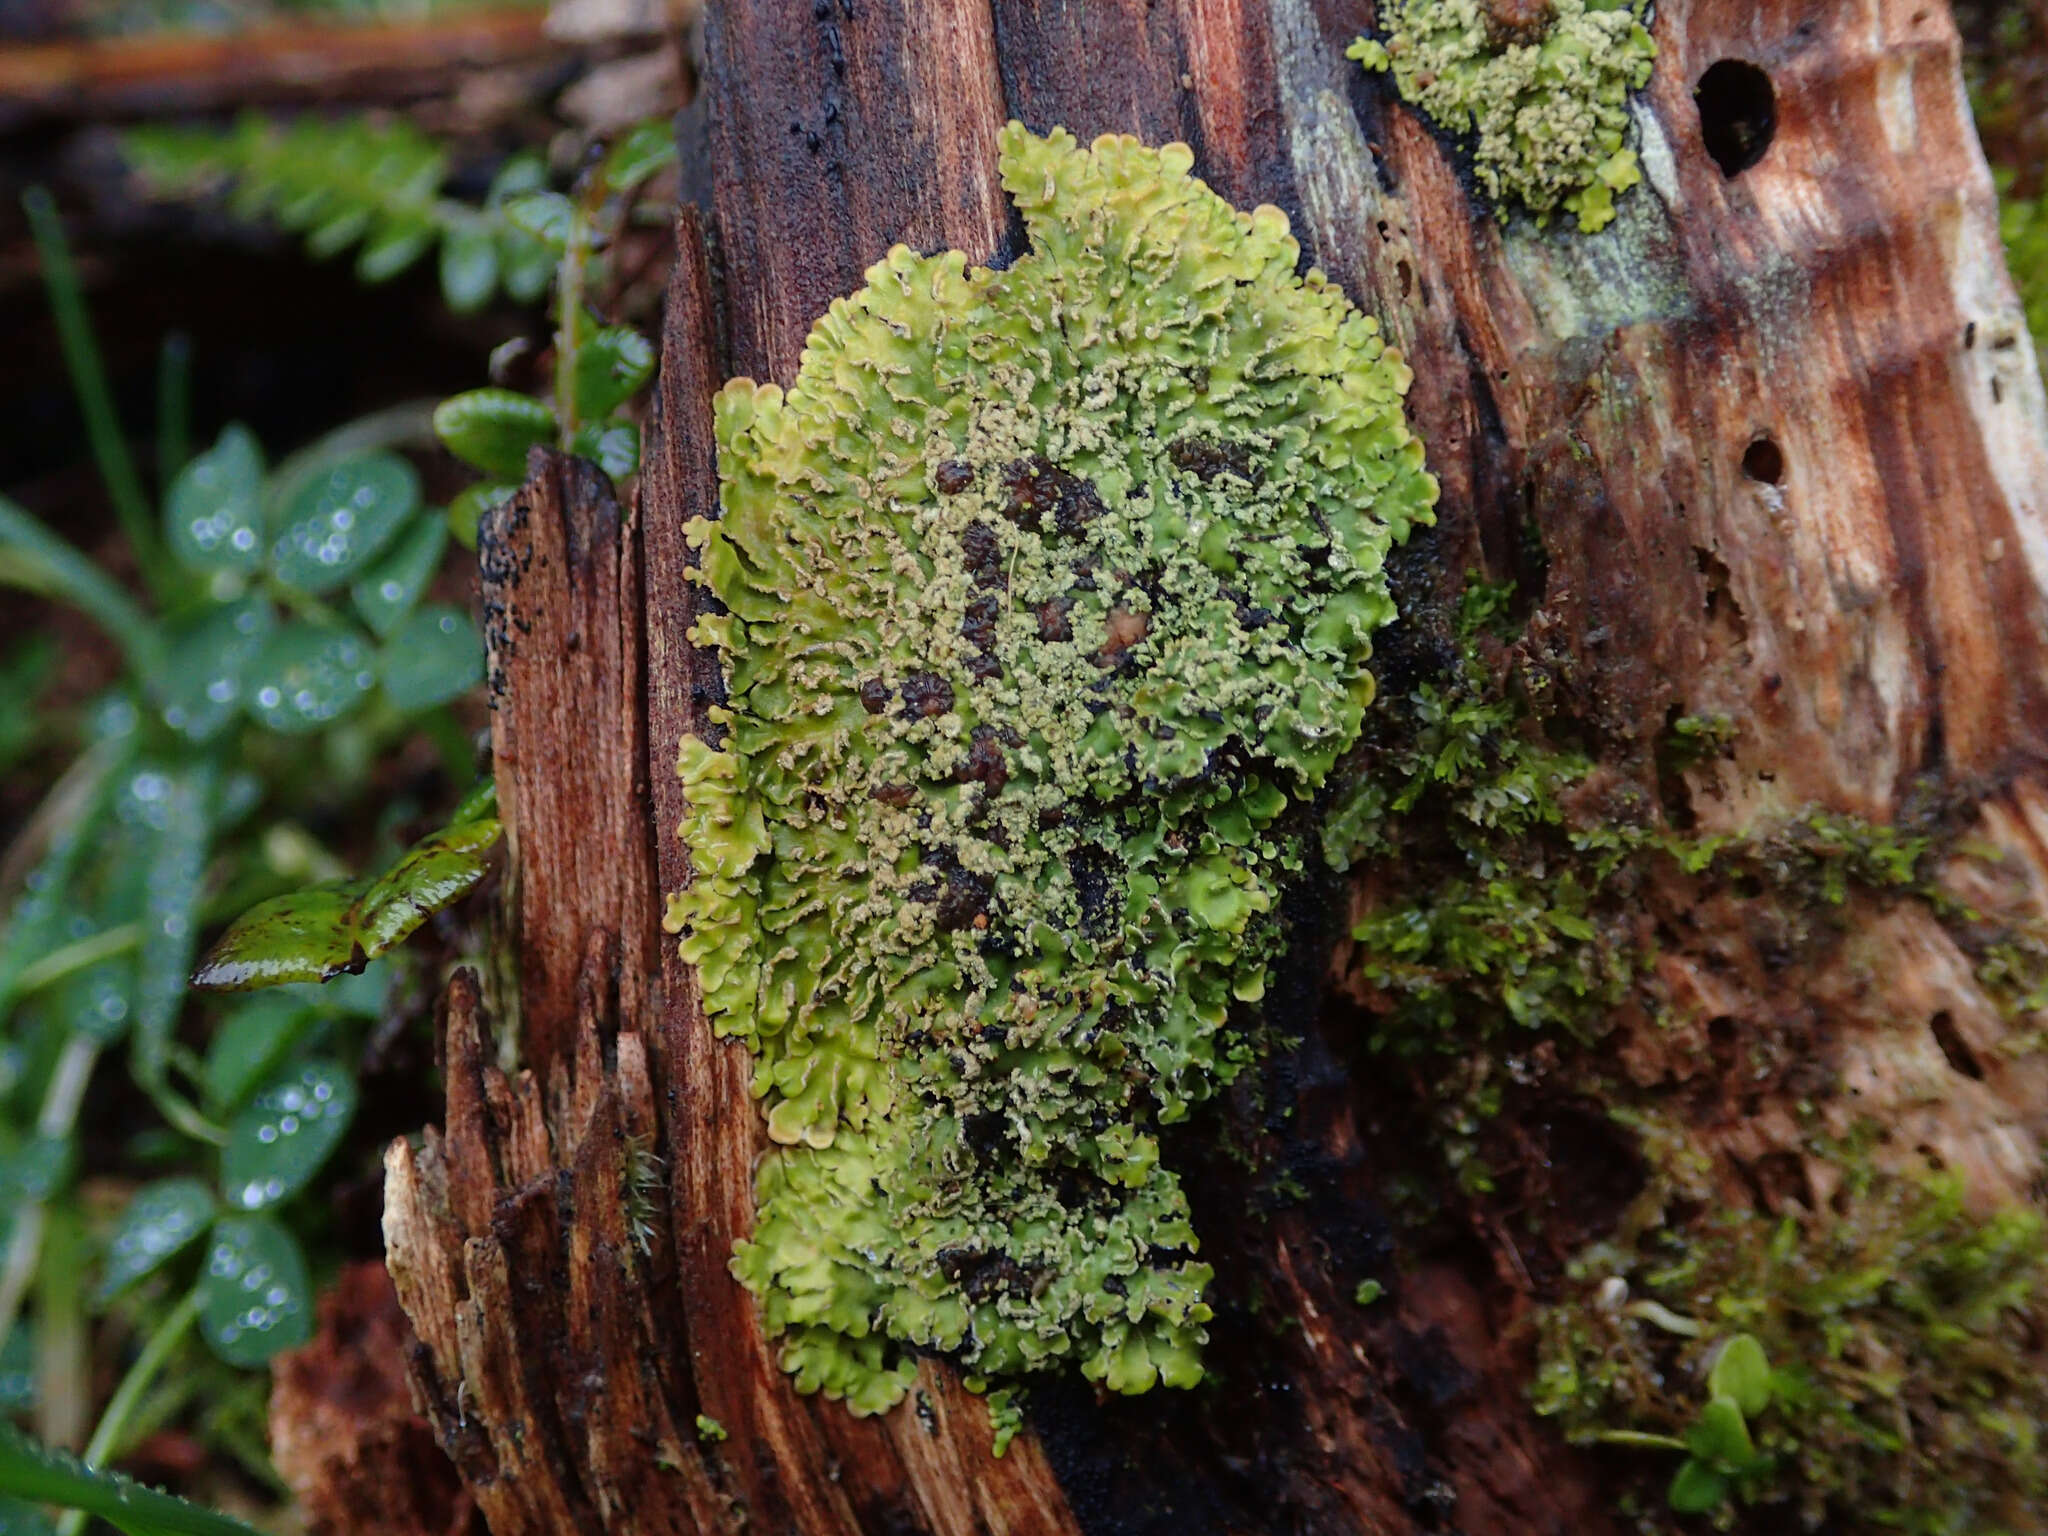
<point>363,183</point>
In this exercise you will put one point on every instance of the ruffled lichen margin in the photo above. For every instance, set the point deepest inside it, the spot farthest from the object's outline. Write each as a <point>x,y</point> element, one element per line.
<point>1539,86</point>
<point>1048,601</point>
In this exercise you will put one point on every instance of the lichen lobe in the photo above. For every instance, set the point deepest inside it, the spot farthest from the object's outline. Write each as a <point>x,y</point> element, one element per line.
<point>1540,87</point>
<point>1049,596</point>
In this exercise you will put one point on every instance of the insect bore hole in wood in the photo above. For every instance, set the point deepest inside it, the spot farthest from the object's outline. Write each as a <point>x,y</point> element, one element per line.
<point>1764,462</point>
<point>1738,114</point>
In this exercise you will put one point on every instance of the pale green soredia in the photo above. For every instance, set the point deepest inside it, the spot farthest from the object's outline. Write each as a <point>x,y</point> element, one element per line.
<point>1544,96</point>
<point>1049,599</point>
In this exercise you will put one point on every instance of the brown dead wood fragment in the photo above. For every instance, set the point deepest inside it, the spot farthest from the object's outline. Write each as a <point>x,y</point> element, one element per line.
<point>562,620</point>
<point>343,1431</point>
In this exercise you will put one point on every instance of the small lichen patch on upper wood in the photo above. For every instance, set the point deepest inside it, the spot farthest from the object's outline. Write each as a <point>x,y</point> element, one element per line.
<point>1542,89</point>
<point>1049,599</point>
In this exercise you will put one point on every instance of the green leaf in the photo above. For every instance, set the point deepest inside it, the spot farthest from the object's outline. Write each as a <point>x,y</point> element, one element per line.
<point>1697,1489</point>
<point>437,655</point>
<point>332,236</point>
<point>213,516</point>
<point>612,365</point>
<point>547,217</point>
<point>170,913</point>
<point>286,1135</point>
<point>470,504</point>
<point>77,807</point>
<point>33,557</point>
<point>306,936</point>
<point>480,804</point>
<point>396,245</point>
<point>254,1298</point>
<point>1719,1436</point>
<point>250,1044</point>
<point>309,675</point>
<point>161,1222</point>
<point>36,1170</point>
<point>315,934</point>
<point>614,446</point>
<point>469,266</point>
<point>43,1476</point>
<point>525,265</point>
<point>340,519</point>
<point>386,592</point>
<point>646,148</point>
<point>24,671</point>
<point>493,428</point>
<point>431,876</point>
<point>525,172</point>
<point>201,686</point>
<point>1742,1373</point>
<point>18,1371</point>
<point>97,1002</point>
<point>22,1519</point>
<point>355,994</point>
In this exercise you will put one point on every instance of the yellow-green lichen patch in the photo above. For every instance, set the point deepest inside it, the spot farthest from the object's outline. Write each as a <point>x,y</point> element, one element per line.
<point>1540,86</point>
<point>1049,600</point>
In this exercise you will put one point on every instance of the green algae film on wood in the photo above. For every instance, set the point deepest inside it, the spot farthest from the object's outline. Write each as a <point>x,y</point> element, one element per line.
<point>1048,600</point>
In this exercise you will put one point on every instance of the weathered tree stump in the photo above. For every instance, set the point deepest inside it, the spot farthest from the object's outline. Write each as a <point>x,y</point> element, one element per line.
<point>1772,447</point>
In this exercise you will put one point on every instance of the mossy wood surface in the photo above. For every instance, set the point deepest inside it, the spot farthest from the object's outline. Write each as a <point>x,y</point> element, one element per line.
<point>1863,599</point>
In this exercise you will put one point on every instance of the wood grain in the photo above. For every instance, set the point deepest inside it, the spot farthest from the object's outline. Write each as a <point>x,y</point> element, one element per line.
<point>562,625</point>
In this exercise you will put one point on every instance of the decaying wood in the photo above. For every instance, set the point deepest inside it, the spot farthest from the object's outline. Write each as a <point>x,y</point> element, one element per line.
<point>1866,599</point>
<point>561,604</point>
<point>102,78</point>
<point>343,1432</point>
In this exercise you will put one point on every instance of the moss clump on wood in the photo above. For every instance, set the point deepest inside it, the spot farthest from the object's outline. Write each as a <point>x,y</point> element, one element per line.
<point>1907,1388</point>
<point>1049,600</point>
<point>1540,87</point>
<point>1510,887</point>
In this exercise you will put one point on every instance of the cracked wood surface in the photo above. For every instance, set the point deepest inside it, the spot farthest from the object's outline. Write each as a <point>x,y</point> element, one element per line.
<point>1873,615</point>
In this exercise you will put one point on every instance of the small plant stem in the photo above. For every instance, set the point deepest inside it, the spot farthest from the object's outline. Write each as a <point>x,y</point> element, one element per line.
<point>77,956</point>
<point>55,1120</point>
<point>568,328</point>
<point>173,407</point>
<point>71,799</point>
<point>183,1115</point>
<point>407,425</point>
<point>128,1396</point>
<point>1641,1439</point>
<point>1663,1317</point>
<point>33,557</point>
<point>301,605</point>
<point>89,378</point>
<point>63,1348</point>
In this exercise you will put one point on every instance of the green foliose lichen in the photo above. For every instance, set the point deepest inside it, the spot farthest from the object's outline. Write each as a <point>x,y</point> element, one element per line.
<point>1049,599</point>
<point>1540,86</point>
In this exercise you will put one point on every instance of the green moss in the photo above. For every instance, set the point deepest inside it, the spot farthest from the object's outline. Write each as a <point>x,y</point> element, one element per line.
<point>1050,594</point>
<point>1504,911</point>
<point>1507,874</point>
<point>709,1429</point>
<point>1906,1390</point>
<point>1545,101</point>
